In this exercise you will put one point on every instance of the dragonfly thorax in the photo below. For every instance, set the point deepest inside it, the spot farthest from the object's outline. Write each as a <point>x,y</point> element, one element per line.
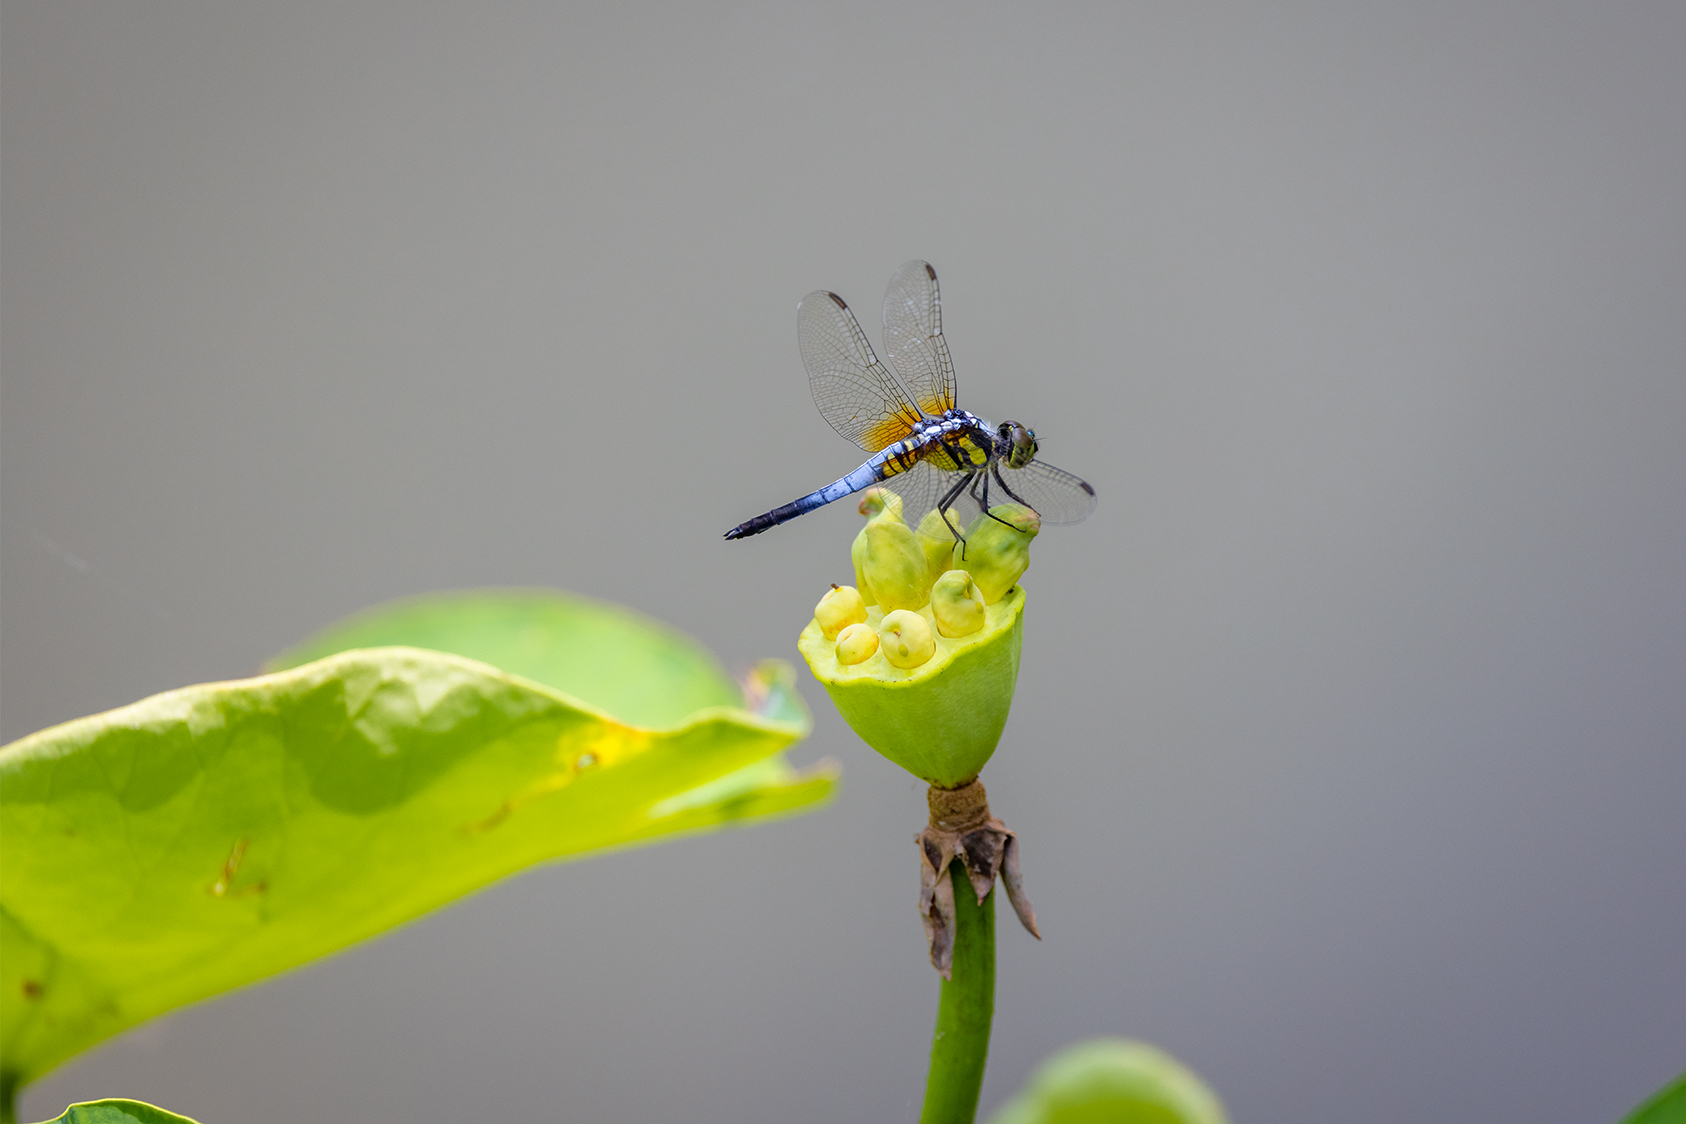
<point>964,437</point>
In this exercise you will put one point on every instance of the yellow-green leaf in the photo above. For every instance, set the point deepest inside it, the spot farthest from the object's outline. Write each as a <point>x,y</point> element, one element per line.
<point>637,669</point>
<point>116,1110</point>
<point>210,836</point>
<point>1666,1106</point>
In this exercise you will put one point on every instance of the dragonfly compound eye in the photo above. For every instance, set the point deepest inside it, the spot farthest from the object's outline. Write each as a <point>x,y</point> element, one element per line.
<point>1023,444</point>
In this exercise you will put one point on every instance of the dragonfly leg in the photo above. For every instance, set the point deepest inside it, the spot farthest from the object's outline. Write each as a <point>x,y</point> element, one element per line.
<point>983,504</point>
<point>947,502</point>
<point>995,470</point>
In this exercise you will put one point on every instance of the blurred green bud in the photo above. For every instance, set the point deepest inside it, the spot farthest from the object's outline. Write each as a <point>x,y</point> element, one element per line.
<point>894,565</point>
<point>957,604</point>
<point>839,609</point>
<point>997,551</point>
<point>1113,1081</point>
<point>856,644</point>
<point>936,539</point>
<point>907,639</point>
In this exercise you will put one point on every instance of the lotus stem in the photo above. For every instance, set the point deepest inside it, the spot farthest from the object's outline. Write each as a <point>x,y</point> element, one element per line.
<point>960,1045</point>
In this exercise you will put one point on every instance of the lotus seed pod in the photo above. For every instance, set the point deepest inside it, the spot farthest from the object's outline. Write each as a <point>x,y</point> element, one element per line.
<point>935,704</point>
<point>907,639</point>
<point>997,550</point>
<point>855,644</point>
<point>839,609</point>
<point>958,604</point>
<point>937,540</point>
<point>942,719</point>
<point>894,565</point>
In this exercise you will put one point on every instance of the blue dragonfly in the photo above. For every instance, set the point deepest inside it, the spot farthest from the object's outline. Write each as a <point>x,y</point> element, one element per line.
<point>924,448</point>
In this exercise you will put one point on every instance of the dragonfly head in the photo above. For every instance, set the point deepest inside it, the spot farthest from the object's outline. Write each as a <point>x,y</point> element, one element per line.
<point>1019,444</point>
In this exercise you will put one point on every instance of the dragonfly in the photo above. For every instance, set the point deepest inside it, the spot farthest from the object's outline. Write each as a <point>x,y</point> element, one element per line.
<point>924,448</point>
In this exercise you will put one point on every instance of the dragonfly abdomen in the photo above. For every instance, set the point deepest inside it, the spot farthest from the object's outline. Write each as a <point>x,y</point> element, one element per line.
<point>865,476</point>
<point>893,461</point>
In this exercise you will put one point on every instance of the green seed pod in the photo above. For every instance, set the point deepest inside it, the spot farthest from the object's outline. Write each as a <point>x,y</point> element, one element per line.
<point>907,639</point>
<point>957,603</point>
<point>1113,1079</point>
<point>942,719</point>
<point>839,609</point>
<point>856,644</point>
<point>939,716</point>
<point>937,540</point>
<point>894,565</point>
<point>997,551</point>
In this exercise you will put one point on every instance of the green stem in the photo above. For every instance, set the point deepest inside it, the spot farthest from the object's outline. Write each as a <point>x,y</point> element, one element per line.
<point>960,1045</point>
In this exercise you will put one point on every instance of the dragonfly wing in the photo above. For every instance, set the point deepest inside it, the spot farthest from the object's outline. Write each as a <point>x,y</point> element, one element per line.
<point>922,487</point>
<point>1056,495</point>
<point>851,387</point>
<point>913,337</point>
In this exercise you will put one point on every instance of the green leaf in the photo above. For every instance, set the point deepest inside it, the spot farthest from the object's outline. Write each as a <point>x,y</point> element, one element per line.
<point>1113,1081</point>
<point>210,836</point>
<point>1666,1106</point>
<point>116,1110</point>
<point>637,669</point>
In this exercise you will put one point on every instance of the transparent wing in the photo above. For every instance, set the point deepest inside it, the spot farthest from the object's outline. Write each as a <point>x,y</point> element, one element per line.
<point>1056,495</point>
<point>851,387</point>
<point>920,487</point>
<point>913,337</point>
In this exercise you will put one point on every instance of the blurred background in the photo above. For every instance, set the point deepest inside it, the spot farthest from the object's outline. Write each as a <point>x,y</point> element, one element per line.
<point>1349,753</point>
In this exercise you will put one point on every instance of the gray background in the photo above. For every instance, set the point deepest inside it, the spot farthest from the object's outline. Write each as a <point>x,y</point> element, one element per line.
<point>1350,749</point>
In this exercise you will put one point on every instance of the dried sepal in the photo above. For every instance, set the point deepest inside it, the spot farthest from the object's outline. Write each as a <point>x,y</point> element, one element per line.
<point>962,828</point>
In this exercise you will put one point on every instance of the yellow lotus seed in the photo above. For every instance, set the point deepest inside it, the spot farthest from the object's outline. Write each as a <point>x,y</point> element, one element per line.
<point>895,565</point>
<point>958,604</point>
<point>997,550</point>
<point>856,644</point>
<point>857,555</point>
<point>907,639</point>
<point>936,539</point>
<point>876,504</point>
<point>838,609</point>
<point>879,501</point>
